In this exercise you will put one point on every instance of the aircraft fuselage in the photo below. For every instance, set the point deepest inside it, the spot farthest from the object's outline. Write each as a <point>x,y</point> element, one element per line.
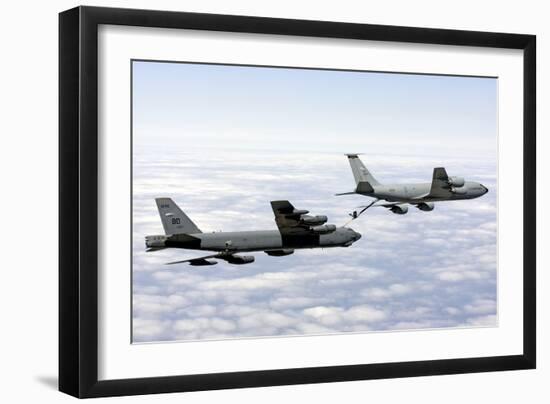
<point>247,241</point>
<point>413,193</point>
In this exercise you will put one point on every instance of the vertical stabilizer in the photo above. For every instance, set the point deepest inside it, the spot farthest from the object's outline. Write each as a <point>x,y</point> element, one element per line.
<point>173,219</point>
<point>360,172</point>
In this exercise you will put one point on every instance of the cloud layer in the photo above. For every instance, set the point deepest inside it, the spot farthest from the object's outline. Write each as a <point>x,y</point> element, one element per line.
<point>420,270</point>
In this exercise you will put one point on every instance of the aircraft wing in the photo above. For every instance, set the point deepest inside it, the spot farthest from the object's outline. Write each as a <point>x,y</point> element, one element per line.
<point>440,184</point>
<point>230,257</point>
<point>288,218</point>
<point>199,261</point>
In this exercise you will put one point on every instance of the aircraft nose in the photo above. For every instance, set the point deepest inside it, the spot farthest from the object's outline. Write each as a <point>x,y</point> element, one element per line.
<point>357,236</point>
<point>484,188</point>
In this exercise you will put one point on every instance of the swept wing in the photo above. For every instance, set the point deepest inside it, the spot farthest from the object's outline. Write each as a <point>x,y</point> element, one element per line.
<point>440,184</point>
<point>297,222</point>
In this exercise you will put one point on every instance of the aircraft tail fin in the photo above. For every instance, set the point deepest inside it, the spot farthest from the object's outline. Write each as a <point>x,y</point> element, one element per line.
<point>173,219</point>
<point>360,172</point>
<point>364,187</point>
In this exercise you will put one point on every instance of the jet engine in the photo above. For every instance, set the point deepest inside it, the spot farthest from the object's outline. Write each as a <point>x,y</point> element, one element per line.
<point>297,212</point>
<point>426,206</point>
<point>399,209</point>
<point>456,182</point>
<point>201,263</point>
<point>313,220</point>
<point>280,253</point>
<point>459,191</point>
<point>324,229</point>
<point>239,259</point>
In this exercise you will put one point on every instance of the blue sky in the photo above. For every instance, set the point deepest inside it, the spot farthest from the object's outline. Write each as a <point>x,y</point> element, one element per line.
<point>203,104</point>
<point>223,141</point>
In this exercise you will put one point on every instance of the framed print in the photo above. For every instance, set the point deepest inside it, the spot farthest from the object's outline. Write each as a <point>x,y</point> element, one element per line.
<point>250,201</point>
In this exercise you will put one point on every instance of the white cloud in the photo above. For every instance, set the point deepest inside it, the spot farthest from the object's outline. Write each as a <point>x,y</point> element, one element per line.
<point>149,329</point>
<point>282,303</point>
<point>266,318</point>
<point>488,320</point>
<point>453,311</point>
<point>204,324</point>
<point>332,316</point>
<point>457,276</point>
<point>420,270</point>
<point>481,306</point>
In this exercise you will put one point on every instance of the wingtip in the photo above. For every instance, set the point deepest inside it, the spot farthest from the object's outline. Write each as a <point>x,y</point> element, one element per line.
<point>346,193</point>
<point>352,155</point>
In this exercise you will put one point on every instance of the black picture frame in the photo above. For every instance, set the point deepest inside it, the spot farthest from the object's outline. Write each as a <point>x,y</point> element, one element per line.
<point>78,201</point>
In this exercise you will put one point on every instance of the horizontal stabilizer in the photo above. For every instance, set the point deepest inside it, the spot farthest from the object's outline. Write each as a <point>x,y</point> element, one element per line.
<point>151,249</point>
<point>363,188</point>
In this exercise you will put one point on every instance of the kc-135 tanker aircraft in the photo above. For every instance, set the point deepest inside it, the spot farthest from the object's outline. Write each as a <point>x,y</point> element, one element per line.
<point>423,195</point>
<point>296,230</point>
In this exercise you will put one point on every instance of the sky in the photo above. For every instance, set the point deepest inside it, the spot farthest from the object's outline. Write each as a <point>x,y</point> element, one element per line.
<point>223,141</point>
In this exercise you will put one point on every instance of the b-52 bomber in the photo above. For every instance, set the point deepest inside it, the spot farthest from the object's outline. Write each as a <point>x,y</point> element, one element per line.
<point>296,230</point>
<point>423,195</point>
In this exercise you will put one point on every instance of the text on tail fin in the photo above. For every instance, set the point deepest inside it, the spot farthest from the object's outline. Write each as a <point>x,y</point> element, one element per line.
<point>173,219</point>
